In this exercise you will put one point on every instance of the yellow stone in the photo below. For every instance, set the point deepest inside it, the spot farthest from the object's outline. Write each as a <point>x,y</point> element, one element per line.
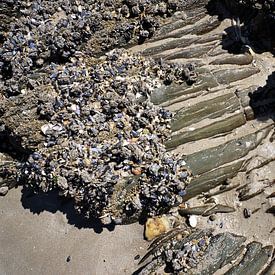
<point>154,227</point>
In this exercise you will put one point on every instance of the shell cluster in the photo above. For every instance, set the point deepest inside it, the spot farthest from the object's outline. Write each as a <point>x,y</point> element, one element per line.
<point>177,252</point>
<point>183,258</point>
<point>53,31</point>
<point>103,138</point>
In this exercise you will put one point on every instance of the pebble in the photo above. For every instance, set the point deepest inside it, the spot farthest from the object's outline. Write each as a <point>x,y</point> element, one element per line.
<point>136,171</point>
<point>179,237</point>
<point>247,213</point>
<point>100,131</point>
<point>212,217</point>
<point>154,227</point>
<point>4,190</point>
<point>193,221</point>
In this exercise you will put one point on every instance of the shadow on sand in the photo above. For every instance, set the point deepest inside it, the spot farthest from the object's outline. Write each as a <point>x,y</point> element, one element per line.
<point>52,202</point>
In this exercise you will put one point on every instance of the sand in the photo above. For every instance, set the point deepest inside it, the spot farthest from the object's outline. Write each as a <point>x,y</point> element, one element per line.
<point>40,243</point>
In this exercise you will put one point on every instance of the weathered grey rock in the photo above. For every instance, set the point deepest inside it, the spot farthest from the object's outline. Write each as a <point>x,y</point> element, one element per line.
<point>219,253</point>
<point>270,269</point>
<point>253,261</point>
<point>211,158</point>
<point>210,180</point>
<point>206,210</point>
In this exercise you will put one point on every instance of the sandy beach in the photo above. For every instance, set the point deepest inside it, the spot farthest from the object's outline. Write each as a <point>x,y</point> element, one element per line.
<point>41,243</point>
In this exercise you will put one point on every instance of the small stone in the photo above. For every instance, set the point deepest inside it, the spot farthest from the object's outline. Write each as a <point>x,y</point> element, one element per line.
<point>193,221</point>
<point>62,183</point>
<point>4,190</point>
<point>39,61</point>
<point>46,127</point>
<point>247,213</point>
<point>136,171</point>
<point>155,227</point>
<point>212,218</point>
<point>179,237</point>
<point>68,259</point>
<point>137,257</point>
<point>202,242</point>
<point>106,220</point>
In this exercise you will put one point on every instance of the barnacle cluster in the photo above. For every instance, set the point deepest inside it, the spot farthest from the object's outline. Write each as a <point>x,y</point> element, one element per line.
<point>100,139</point>
<point>183,257</point>
<point>103,138</point>
<point>178,251</point>
<point>53,31</point>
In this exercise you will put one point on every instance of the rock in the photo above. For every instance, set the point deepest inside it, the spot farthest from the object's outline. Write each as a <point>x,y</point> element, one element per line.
<point>253,261</point>
<point>4,190</point>
<point>212,217</point>
<point>270,270</point>
<point>154,227</point>
<point>222,249</point>
<point>193,221</point>
<point>247,213</point>
<point>197,251</point>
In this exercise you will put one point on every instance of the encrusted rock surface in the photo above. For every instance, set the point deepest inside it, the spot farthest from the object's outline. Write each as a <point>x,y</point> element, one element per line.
<point>76,119</point>
<point>85,124</point>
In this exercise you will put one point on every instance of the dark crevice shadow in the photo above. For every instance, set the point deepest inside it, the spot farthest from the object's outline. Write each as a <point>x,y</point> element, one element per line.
<point>255,31</point>
<point>226,8</point>
<point>256,27</point>
<point>52,202</point>
<point>10,144</point>
<point>230,42</point>
<point>262,100</point>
